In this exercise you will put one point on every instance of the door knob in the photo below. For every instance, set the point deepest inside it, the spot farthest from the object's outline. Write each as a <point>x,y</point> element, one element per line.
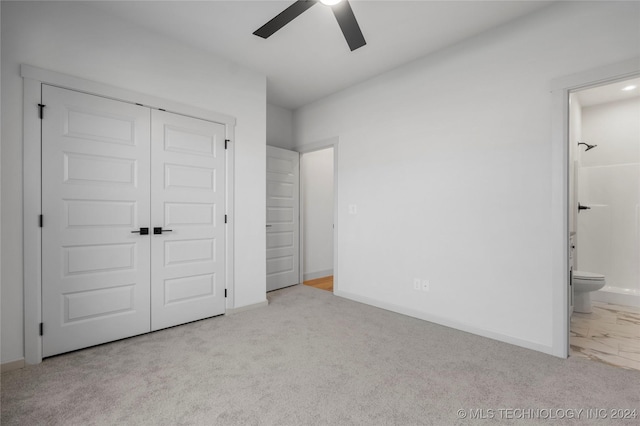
<point>581,207</point>
<point>142,231</point>
<point>159,230</point>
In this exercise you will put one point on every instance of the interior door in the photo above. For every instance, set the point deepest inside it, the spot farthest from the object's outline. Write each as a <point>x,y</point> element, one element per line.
<point>133,235</point>
<point>95,199</point>
<point>283,218</point>
<point>188,219</point>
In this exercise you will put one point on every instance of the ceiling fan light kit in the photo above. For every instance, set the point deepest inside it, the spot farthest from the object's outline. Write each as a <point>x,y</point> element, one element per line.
<point>341,10</point>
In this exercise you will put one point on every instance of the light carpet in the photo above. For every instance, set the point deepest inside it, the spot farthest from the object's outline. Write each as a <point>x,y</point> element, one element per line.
<point>311,358</point>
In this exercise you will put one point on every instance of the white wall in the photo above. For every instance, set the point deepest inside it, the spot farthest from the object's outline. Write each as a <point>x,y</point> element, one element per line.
<point>1,203</point>
<point>448,160</point>
<point>615,128</point>
<point>575,136</point>
<point>316,176</point>
<point>72,38</point>
<point>279,127</point>
<point>609,233</point>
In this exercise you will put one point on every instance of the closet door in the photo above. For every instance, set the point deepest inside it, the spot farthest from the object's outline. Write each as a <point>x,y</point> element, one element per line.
<point>188,219</point>
<point>95,199</point>
<point>283,218</point>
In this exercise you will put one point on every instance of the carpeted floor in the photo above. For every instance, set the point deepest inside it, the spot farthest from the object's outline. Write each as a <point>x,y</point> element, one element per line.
<point>311,358</point>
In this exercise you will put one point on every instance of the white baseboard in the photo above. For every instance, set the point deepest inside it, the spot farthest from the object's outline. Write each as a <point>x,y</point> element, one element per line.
<point>318,274</point>
<point>13,365</point>
<point>247,308</point>
<point>617,296</point>
<point>447,323</point>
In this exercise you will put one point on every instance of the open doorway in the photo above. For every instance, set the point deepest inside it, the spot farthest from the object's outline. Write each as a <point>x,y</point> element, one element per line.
<point>317,218</point>
<point>604,207</point>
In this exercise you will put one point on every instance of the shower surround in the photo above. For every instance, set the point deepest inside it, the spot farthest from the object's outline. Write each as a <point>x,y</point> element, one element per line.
<point>609,183</point>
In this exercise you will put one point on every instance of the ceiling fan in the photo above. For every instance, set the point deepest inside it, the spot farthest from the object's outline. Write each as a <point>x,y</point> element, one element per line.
<point>341,9</point>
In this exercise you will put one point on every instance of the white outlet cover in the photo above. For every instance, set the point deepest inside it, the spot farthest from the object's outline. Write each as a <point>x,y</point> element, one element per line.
<point>425,285</point>
<point>353,209</point>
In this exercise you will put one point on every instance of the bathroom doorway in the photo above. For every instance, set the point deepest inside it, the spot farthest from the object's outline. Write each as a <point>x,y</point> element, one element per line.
<point>317,183</point>
<point>604,219</point>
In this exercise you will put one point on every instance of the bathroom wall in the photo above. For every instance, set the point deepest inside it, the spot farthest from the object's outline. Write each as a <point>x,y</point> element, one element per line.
<point>316,172</point>
<point>609,233</point>
<point>575,135</point>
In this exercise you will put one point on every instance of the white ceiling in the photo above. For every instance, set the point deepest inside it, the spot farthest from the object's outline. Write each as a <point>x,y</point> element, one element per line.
<point>309,59</point>
<point>609,93</point>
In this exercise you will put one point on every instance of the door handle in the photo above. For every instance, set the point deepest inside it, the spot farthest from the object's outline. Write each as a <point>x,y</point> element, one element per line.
<point>581,207</point>
<point>142,231</point>
<point>269,226</point>
<point>159,230</point>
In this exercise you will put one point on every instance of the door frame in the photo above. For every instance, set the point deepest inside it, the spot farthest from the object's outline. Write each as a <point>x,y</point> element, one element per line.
<point>305,149</point>
<point>560,90</point>
<point>33,78</point>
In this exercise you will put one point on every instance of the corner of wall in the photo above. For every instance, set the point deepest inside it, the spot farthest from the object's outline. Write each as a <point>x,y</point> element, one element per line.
<point>280,127</point>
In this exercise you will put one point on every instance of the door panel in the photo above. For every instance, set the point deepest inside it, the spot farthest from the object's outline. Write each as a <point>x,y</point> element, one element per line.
<point>188,198</point>
<point>95,191</point>
<point>102,279</point>
<point>282,217</point>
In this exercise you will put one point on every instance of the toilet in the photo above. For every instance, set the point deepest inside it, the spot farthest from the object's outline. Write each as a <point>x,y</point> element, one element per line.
<point>583,284</point>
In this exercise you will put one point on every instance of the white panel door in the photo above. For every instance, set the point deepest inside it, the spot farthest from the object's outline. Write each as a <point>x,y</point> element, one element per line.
<point>283,218</point>
<point>188,204</point>
<point>95,193</point>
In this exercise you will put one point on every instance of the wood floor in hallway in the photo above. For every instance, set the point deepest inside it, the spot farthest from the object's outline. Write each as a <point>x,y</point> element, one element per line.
<point>324,283</point>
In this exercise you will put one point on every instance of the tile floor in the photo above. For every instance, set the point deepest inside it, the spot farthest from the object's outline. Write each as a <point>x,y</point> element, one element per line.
<point>610,334</point>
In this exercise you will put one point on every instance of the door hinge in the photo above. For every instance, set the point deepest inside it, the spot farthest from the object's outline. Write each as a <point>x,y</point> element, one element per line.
<point>40,221</point>
<point>41,111</point>
<point>226,141</point>
<point>225,292</point>
<point>41,329</point>
<point>225,218</point>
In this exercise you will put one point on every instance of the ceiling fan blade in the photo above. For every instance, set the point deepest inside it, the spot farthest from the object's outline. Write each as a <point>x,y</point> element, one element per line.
<point>349,25</point>
<point>282,19</point>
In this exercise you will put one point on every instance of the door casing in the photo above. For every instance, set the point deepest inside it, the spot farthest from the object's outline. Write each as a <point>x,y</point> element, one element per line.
<point>305,149</point>
<point>560,90</point>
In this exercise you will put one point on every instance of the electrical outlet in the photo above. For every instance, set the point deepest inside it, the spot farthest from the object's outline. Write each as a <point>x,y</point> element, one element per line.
<point>416,284</point>
<point>353,209</point>
<point>425,285</point>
